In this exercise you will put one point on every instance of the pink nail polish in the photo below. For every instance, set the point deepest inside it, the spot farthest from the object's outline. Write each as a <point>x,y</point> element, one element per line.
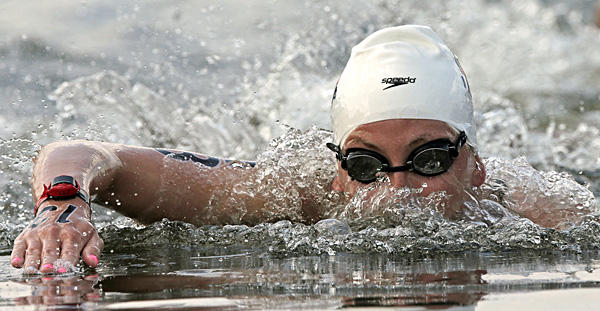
<point>48,266</point>
<point>94,258</point>
<point>62,270</point>
<point>15,260</point>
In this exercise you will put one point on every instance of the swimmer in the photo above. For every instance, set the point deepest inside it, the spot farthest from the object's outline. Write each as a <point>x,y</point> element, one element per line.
<point>402,107</point>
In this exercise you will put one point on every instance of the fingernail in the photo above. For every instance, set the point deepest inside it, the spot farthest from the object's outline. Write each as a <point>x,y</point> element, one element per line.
<point>15,260</point>
<point>47,266</point>
<point>94,258</point>
<point>62,270</point>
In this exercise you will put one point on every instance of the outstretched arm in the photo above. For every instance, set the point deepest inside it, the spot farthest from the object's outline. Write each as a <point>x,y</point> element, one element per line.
<point>143,183</point>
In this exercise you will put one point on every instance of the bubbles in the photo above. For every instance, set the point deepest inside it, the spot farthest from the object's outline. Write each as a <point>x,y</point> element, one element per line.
<point>66,267</point>
<point>332,226</point>
<point>295,169</point>
<point>30,271</point>
<point>422,235</point>
<point>501,131</point>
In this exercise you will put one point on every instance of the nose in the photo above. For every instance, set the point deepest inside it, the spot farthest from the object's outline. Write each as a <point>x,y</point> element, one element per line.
<point>398,179</point>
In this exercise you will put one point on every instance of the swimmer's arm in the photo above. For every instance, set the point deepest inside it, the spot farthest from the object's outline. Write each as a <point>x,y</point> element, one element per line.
<point>544,207</point>
<point>147,184</point>
<point>198,189</point>
<point>139,182</point>
<point>161,183</point>
<point>150,184</point>
<point>548,211</point>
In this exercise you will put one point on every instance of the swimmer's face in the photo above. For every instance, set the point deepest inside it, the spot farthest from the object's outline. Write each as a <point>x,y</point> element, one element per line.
<point>395,140</point>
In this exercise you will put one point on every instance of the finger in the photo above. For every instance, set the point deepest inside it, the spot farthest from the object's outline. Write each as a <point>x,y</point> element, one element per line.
<point>50,252</point>
<point>91,250</point>
<point>17,258</point>
<point>69,256</point>
<point>32,256</point>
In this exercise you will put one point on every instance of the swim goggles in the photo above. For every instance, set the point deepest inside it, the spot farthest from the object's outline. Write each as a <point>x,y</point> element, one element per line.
<point>430,159</point>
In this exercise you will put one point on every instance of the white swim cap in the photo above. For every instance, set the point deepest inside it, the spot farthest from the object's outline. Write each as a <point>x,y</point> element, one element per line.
<point>404,72</point>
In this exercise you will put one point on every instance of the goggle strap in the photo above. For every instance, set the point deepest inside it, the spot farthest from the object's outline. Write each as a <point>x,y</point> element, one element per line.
<point>402,168</point>
<point>460,141</point>
<point>337,150</point>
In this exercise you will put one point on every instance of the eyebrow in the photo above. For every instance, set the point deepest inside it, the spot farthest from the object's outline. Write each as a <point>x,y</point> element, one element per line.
<point>420,140</point>
<point>365,143</point>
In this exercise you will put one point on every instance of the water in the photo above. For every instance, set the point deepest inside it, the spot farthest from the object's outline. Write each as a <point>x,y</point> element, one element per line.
<point>253,80</point>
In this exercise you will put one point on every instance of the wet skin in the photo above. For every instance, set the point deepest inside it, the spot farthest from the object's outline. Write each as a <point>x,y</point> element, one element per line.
<point>395,140</point>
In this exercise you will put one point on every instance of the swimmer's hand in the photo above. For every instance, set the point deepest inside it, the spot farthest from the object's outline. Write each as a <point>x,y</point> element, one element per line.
<point>55,239</point>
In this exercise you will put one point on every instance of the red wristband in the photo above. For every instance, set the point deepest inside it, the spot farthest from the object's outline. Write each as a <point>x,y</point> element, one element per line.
<point>63,187</point>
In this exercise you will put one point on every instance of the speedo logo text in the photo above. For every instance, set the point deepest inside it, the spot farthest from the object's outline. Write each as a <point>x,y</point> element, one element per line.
<point>396,81</point>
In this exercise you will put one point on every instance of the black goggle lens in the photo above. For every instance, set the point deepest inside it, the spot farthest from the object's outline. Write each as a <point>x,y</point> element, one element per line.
<point>432,162</point>
<point>363,167</point>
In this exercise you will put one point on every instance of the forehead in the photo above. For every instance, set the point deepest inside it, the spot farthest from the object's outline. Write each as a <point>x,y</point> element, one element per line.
<point>402,132</point>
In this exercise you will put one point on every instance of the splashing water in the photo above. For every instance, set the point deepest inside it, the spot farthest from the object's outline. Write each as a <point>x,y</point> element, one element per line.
<point>390,221</point>
<point>295,168</point>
